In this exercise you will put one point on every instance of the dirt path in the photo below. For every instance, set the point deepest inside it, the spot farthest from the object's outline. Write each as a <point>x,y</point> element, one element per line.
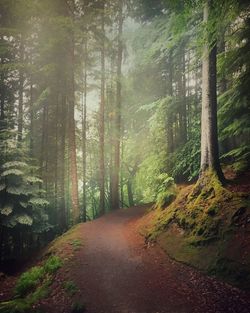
<point>117,273</point>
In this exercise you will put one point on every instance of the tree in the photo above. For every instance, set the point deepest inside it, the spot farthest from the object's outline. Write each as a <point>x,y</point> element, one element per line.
<point>209,135</point>
<point>115,199</point>
<point>102,117</point>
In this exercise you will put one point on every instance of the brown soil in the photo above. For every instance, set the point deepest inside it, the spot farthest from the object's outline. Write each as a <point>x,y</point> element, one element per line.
<point>117,273</point>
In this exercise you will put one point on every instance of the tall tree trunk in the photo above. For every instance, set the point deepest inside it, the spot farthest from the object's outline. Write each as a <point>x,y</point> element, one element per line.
<point>222,50</point>
<point>111,101</point>
<point>2,92</point>
<point>182,96</point>
<point>56,151</point>
<point>130,193</point>
<point>31,117</point>
<point>170,134</point>
<point>209,135</point>
<point>61,184</point>
<point>117,132</point>
<point>84,139</point>
<point>121,171</point>
<point>20,93</point>
<point>72,135</point>
<point>101,122</point>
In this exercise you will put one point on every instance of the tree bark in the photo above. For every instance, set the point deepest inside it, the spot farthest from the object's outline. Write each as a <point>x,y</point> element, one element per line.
<point>20,93</point>
<point>31,117</point>
<point>117,131</point>
<point>84,139</point>
<point>101,122</point>
<point>61,185</point>
<point>170,134</point>
<point>72,136</point>
<point>209,135</point>
<point>2,92</point>
<point>130,193</point>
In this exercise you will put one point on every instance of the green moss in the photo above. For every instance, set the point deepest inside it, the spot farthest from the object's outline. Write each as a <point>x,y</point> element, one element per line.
<point>212,210</point>
<point>197,227</point>
<point>240,166</point>
<point>57,246</point>
<point>32,286</point>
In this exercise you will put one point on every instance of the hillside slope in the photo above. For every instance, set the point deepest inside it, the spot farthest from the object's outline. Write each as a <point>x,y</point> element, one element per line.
<point>208,230</point>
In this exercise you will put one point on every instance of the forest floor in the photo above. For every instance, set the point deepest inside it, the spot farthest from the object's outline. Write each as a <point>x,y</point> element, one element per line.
<point>116,272</point>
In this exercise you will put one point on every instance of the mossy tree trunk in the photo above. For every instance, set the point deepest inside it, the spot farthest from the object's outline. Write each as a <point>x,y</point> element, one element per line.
<point>209,133</point>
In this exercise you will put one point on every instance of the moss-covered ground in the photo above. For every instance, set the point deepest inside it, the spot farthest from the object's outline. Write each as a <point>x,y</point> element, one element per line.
<point>39,282</point>
<point>208,227</point>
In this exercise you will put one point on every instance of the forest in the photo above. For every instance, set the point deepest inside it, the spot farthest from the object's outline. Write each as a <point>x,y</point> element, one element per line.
<point>124,156</point>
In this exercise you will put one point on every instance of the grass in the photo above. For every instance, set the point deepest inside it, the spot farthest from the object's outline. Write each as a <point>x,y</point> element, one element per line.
<point>76,244</point>
<point>32,286</point>
<point>65,245</point>
<point>78,307</point>
<point>35,284</point>
<point>70,287</point>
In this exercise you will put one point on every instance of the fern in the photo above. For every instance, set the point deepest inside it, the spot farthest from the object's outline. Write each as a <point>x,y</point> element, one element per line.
<point>243,152</point>
<point>38,202</point>
<point>13,171</point>
<point>15,164</point>
<point>17,190</point>
<point>7,210</point>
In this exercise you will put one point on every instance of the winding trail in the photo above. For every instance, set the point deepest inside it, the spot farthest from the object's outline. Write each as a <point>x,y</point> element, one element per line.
<point>117,273</point>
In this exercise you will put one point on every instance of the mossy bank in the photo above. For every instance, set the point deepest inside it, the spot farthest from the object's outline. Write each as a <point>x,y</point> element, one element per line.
<point>207,227</point>
<point>36,286</point>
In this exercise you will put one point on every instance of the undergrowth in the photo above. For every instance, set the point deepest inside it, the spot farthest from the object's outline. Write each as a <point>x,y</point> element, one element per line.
<point>78,307</point>
<point>70,287</point>
<point>32,286</point>
<point>197,227</point>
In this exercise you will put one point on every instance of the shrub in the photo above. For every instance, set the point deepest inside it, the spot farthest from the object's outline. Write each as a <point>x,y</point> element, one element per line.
<point>29,280</point>
<point>70,287</point>
<point>78,307</point>
<point>52,264</point>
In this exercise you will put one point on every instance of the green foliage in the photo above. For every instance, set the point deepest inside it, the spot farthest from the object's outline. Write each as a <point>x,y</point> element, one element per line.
<point>21,201</point>
<point>166,190</point>
<point>241,153</point>
<point>70,287</point>
<point>15,306</point>
<point>240,166</point>
<point>147,181</point>
<point>234,113</point>
<point>200,228</point>
<point>32,286</point>
<point>52,264</point>
<point>76,243</point>
<point>26,305</point>
<point>78,307</point>
<point>29,280</point>
<point>185,162</point>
